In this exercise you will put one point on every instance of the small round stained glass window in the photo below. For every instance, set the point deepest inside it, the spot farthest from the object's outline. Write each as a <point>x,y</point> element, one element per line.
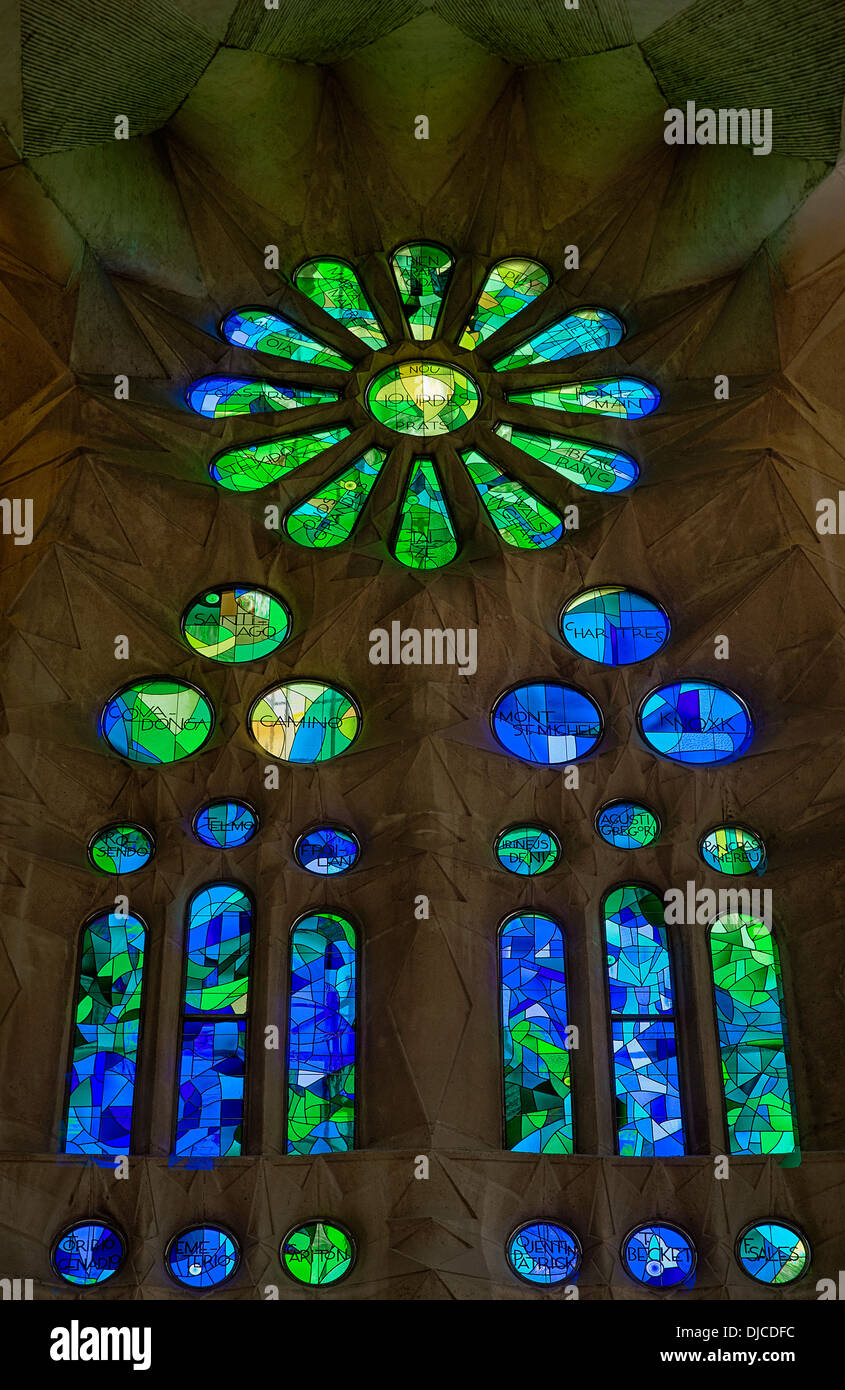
<point>326,850</point>
<point>696,722</point>
<point>317,1253</point>
<point>733,849</point>
<point>543,1253</point>
<point>304,721</point>
<point>225,824</point>
<point>547,723</point>
<point>157,721</point>
<point>202,1257</point>
<point>659,1255</point>
<point>527,850</point>
<point>121,848</point>
<point>87,1253</point>
<point>234,623</point>
<point>627,824</point>
<point>614,625</point>
<point>773,1252</point>
<point>423,398</point>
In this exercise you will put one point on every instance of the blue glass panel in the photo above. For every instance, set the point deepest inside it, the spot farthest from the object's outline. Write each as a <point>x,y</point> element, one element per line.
<point>660,1255</point>
<point>773,1252</point>
<point>637,955</point>
<point>121,848</point>
<point>321,1039</point>
<point>538,1093</point>
<point>545,722</point>
<point>217,970</point>
<point>696,722</point>
<point>627,824</point>
<point>733,849</point>
<point>209,1117</point>
<point>89,1252</point>
<point>327,850</point>
<point>202,1257</point>
<point>544,1253</point>
<point>527,850</point>
<point>261,330</point>
<point>619,398</point>
<point>225,824</point>
<point>217,397</point>
<point>583,330</point>
<point>614,625</point>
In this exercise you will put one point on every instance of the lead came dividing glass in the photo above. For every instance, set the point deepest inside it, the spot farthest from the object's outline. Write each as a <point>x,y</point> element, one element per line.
<point>627,824</point>
<point>321,1035</point>
<point>422,270</point>
<point>423,398</point>
<point>645,1063</point>
<point>537,1082</point>
<point>261,330</point>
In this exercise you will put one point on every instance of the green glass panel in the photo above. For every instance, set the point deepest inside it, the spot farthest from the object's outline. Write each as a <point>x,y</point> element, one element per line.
<point>121,849</point>
<point>157,721</point>
<point>253,466</point>
<point>317,1253</point>
<point>620,397</point>
<point>422,271</point>
<point>304,721</point>
<point>423,398</point>
<point>260,330</point>
<point>335,287</point>
<point>510,286</point>
<point>235,624</point>
<point>590,466</point>
<point>217,951</point>
<point>519,516</point>
<point>329,516</point>
<point>425,538</point>
<point>527,850</point>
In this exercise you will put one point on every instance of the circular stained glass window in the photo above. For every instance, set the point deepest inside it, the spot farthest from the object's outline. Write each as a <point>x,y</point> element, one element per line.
<point>527,850</point>
<point>695,722</point>
<point>317,1253</point>
<point>88,1252</point>
<point>423,398</point>
<point>733,849</point>
<point>614,625</point>
<point>773,1252</point>
<point>547,723</point>
<point>660,1256</point>
<point>304,721</point>
<point>225,824</point>
<point>627,824</point>
<point>233,623</point>
<point>326,850</point>
<point>157,721</point>
<point>543,1253</point>
<point>202,1257</point>
<point>121,848</point>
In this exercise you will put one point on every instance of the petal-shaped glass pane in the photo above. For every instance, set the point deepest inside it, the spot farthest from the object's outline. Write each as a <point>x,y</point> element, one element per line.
<point>321,1036</point>
<point>253,466</point>
<point>590,466</point>
<point>518,515</point>
<point>422,270</point>
<point>510,286</point>
<point>329,516</point>
<point>263,331</point>
<point>217,397</point>
<point>335,287</point>
<point>538,1091</point>
<point>620,397</point>
<point>584,330</point>
<point>425,536</point>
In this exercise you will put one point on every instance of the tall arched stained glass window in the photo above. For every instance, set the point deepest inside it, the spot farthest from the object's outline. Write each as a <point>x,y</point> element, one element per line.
<point>107,1021</point>
<point>209,1117</point>
<point>642,1025</point>
<point>321,1035</point>
<point>538,1091</point>
<point>751,1022</point>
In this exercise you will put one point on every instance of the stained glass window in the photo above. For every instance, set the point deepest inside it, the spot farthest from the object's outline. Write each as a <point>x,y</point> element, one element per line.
<point>88,1253</point>
<point>217,397</point>
<point>695,722</point>
<point>235,623</point>
<point>326,850</point>
<point>209,1117</point>
<point>121,848</point>
<point>425,536</point>
<point>659,1255</point>
<point>627,824</point>
<point>546,722</point>
<point>584,330</point>
<point>620,397</point>
<point>518,515</point>
<point>511,285</point>
<point>589,466</point>
<point>252,466</point>
<point>329,516</point>
<point>752,1037</point>
<point>537,1081</point>
<point>157,721</point>
<point>317,1253</point>
<point>321,1035</point>
<point>335,287</point>
<point>527,850</point>
<point>733,849</point>
<point>225,824</point>
<point>543,1253</point>
<point>261,330</point>
<point>203,1257</point>
<point>422,270</point>
<point>304,721</point>
<point>614,625</point>
<point>107,1022</point>
<point>642,1008</point>
<point>423,398</point>
<point>773,1252</point>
